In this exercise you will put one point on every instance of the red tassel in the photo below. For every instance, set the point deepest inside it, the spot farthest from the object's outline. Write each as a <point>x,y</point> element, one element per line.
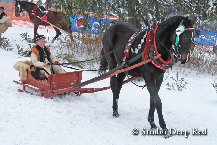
<point>44,18</point>
<point>35,10</point>
<point>147,45</point>
<point>127,54</point>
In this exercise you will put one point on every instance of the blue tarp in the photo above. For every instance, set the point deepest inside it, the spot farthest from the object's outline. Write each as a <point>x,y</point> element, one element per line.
<point>206,37</point>
<point>8,1</point>
<point>87,24</point>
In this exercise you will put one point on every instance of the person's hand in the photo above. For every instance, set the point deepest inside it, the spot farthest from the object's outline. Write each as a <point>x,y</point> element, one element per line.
<point>32,68</point>
<point>46,64</point>
<point>56,62</point>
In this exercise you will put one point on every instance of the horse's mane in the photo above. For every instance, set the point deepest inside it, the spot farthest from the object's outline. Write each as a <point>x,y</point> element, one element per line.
<point>33,4</point>
<point>175,21</point>
<point>172,23</point>
<point>29,4</point>
<point>171,20</point>
<point>26,2</point>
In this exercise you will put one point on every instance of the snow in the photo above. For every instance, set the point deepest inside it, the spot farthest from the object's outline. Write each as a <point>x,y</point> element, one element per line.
<point>87,119</point>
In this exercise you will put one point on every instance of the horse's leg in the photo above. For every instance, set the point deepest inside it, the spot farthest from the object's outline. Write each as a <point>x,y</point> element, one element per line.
<point>114,84</point>
<point>118,81</point>
<point>153,86</point>
<point>151,115</point>
<point>70,35</point>
<point>158,83</point>
<point>35,30</point>
<point>58,33</point>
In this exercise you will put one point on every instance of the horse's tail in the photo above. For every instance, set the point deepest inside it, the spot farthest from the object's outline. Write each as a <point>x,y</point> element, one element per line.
<point>103,63</point>
<point>108,46</point>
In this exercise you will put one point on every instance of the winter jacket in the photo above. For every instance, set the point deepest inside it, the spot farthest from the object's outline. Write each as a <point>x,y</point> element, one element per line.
<point>40,56</point>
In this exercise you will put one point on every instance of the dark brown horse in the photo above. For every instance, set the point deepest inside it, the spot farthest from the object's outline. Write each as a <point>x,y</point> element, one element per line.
<point>59,20</point>
<point>171,39</point>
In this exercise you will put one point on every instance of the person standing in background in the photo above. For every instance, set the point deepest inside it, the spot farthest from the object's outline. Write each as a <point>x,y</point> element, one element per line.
<point>4,24</point>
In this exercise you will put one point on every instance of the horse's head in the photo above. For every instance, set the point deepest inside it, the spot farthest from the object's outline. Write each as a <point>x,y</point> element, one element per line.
<point>21,6</point>
<point>182,39</point>
<point>18,8</point>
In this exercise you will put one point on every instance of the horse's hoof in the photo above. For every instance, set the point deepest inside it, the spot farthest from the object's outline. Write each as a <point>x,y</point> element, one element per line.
<point>101,71</point>
<point>153,126</point>
<point>166,133</point>
<point>116,114</point>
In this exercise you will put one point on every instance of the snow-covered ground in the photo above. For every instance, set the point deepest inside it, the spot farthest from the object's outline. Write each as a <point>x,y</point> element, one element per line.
<point>87,119</point>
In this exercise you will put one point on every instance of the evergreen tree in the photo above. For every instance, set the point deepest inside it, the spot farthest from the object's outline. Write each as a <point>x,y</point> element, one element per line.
<point>135,10</point>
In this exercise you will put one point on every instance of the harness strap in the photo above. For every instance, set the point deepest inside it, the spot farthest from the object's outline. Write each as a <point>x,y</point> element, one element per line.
<point>156,50</point>
<point>149,52</point>
<point>35,10</point>
<point>149,38</point>
<point>129,43</point>
<point>43,18</point>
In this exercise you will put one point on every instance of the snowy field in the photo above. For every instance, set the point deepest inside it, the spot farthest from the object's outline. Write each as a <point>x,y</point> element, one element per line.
<point>87,119</point>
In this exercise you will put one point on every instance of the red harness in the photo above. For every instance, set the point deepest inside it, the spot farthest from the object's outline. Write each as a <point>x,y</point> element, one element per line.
<point>43,18</point>
<point>149,38</point>
<point>159,63</point>
<point>35,10</point>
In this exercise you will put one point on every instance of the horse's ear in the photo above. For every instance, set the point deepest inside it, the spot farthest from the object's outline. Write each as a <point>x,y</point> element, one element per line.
<point>193,20</point>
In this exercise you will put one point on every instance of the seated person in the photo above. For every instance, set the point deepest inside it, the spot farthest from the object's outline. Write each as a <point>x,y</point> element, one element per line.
<point>4,23</point>
<point>43,59</point>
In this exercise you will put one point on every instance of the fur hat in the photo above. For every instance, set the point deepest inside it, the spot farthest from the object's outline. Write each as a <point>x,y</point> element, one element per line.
<point>38,37</point>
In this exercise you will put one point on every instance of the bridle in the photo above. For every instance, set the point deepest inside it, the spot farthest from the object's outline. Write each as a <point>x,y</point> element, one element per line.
<point>19,8</point>
<point>175,47</point>
<point>174,52</point>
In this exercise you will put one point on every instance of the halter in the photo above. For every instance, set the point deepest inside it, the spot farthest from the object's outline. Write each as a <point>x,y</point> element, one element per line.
<point>181,29</point>
<point>18,6</point>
